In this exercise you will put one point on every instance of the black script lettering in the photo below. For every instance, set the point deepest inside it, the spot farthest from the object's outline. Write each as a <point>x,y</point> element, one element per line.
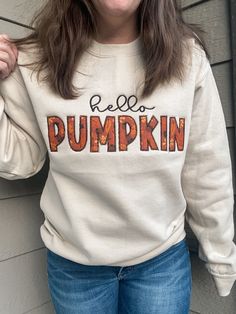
<point>122,103</point>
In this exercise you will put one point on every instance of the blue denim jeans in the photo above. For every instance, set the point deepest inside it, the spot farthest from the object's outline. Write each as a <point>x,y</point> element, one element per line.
<point>160,285</point>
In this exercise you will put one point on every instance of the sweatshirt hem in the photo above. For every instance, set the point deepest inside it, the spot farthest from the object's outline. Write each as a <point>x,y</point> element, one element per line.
<point>63,248</point>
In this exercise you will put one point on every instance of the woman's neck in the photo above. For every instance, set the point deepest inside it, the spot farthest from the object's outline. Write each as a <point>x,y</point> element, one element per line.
<point>117,30</point>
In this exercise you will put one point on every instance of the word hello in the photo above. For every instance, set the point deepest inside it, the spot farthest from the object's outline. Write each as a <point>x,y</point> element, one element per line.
<point>123,103</point>
<point>99,133</point>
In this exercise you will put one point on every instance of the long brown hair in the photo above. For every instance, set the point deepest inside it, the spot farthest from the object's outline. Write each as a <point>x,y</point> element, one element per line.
<point>63,30</point>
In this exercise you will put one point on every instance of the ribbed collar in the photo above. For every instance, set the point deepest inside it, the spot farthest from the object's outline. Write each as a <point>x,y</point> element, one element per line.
<point>128,49</point>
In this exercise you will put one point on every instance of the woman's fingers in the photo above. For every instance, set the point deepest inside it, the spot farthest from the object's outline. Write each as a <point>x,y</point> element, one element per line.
<point>14,48</point>
<point>8,56</point>
<point>4,71</point>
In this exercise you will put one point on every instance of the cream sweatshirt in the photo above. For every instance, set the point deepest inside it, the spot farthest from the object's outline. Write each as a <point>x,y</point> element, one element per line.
<point>124,172</point>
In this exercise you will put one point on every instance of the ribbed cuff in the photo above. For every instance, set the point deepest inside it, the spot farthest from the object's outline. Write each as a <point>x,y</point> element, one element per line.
<point>224,284</point>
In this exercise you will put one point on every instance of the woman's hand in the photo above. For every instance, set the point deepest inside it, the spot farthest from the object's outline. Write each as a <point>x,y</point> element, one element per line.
<point>8,56</point>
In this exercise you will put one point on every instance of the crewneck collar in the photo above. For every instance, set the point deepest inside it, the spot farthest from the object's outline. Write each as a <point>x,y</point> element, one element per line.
<point>128,49</point>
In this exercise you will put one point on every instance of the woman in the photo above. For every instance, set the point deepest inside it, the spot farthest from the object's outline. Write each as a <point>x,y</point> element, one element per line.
<point>129,112</point>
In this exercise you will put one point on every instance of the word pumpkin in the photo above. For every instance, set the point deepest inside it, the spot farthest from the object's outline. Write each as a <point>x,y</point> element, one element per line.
<point>93,132</point>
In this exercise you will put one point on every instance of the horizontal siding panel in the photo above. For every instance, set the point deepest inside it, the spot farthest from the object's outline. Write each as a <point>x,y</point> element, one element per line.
<point>20,223</point>
<point>20,10</point>
<point>213,17</point>
<point>23,283</point>
<point>20,187</point>
<point>13,30</point>
<point>187,3</point>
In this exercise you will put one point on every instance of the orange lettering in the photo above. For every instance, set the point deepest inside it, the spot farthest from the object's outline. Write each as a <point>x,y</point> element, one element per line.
<point>55,139</point>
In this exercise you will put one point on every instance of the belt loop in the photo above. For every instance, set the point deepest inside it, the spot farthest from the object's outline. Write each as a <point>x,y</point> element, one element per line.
<point>120,271</point>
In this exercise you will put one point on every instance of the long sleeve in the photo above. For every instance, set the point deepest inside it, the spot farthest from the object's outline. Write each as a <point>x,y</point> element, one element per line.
<point>207,183</point>
<point>22,148</point>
